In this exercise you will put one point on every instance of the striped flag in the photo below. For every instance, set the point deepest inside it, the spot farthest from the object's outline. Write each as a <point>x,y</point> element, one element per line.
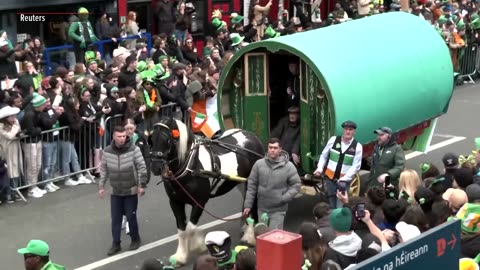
<point>101,127</point>
<point>198,121</point>
<point>204,117</point>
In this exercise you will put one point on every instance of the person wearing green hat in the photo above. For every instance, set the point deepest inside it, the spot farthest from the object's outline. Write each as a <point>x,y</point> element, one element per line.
<point>32,149</point>
<point>270,33</point>
<point>36,256</point>
<point>82,34</point>
<point>141,66</point>
<point>237,41</point>
<point>344,247</point>
<point>148,96</point>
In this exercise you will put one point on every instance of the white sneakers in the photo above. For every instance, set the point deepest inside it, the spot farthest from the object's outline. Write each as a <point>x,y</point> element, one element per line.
<point>70,182</point>
<point>36,192</point>
<point>84,180</point>
<point>51,187</point>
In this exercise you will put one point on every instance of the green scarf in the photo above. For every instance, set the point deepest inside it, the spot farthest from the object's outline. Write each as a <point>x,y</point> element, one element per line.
<point>91,34</point>
<point>135,138</point>
<point>149,103</point>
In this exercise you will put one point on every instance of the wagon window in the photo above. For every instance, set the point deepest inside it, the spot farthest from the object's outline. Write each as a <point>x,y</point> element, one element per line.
<point>303,81</point>
<point>255,72</point>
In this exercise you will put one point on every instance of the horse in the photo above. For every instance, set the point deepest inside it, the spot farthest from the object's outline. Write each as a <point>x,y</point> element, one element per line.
<point>182,160</point>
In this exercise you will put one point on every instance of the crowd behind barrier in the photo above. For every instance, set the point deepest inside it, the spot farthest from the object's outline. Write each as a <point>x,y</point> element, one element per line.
<point>62,160</point>
<point>60,50</point>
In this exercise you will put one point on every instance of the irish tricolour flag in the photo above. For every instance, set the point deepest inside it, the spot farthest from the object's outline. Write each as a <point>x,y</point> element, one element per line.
<point>204,117</point>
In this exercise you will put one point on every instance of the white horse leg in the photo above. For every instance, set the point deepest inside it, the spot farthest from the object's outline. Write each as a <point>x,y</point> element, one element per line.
<point>181,255</point>
<point>196,238</point>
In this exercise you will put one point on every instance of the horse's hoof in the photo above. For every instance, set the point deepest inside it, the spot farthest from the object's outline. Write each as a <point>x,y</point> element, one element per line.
<point>180,260</point>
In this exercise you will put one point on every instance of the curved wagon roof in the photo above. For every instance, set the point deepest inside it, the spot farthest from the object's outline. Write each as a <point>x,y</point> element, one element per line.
<point>390,69</point>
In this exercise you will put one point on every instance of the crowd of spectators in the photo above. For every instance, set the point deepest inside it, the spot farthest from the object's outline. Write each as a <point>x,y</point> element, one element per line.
<point>140,85</point>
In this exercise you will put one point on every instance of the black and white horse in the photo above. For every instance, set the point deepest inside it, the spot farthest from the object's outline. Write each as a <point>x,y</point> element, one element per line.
<point>182,160</point>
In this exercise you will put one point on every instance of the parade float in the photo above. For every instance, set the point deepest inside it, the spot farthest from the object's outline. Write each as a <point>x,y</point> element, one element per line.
<point>389,70</point>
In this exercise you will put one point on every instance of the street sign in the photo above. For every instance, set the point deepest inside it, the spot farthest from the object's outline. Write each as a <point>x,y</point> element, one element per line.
<point>438,248</point>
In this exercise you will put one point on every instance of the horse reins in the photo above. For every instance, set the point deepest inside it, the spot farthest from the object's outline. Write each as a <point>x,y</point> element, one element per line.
<point>197,203</point>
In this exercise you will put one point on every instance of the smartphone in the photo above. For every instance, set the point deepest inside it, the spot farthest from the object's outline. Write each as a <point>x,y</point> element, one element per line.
<point>360,210</point>
<point>342,187</point>
<point>387,180</point>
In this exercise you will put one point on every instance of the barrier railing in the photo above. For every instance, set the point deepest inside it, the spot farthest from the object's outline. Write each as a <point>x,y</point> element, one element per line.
<point>63,154</point>
<point>50,51</point>
<point>54,155</point>
<point>469,63</point>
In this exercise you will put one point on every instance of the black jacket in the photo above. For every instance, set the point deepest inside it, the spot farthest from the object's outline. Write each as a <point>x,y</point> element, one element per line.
<point>30,124</point>
<point>142,143</point>
<point>47,120</point>
<point>7,66</point>
<point>73,120</point>
<point>127,78</point>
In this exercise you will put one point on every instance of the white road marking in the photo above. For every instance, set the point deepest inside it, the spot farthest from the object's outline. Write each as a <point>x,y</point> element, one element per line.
<point>214,223</point>
<point>435,147</point>
<point>444,135</point>
<point>152,245</point>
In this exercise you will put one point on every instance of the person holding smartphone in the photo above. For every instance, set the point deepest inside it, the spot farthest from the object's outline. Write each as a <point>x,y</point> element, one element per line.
<point>340,160</point>
<point>388,160</point>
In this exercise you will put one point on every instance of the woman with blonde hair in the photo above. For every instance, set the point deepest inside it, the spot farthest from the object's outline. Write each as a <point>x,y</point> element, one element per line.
<point>408,184</point>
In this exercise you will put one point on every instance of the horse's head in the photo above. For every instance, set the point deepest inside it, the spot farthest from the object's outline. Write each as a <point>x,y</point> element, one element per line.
<point>169,142</point>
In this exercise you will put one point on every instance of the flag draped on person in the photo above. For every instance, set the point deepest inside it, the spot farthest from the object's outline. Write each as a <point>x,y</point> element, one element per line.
<point>204,116</point>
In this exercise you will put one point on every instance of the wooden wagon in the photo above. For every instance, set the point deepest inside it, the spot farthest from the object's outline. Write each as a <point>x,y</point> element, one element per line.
<point>386,70</point>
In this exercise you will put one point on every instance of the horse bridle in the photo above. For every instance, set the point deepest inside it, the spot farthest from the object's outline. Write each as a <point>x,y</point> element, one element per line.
<point>159,155</point>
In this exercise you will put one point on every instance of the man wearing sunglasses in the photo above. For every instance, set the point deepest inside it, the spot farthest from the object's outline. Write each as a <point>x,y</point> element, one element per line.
<point>37,256</point>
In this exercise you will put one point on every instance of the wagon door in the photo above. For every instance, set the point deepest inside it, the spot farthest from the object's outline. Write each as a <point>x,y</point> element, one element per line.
<point>256,103</point>
<point>306,119</point>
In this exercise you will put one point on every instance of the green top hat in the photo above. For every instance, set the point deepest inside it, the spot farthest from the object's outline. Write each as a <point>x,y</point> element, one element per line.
<point>160,72</point>
<point>218,24</point>
<point>475,24</point>
<point>460,25</point>
<point>442,20</point>
<point>270,33</point>
<point>148,76</point>
<point>236,39</point>
<point>90,56</point>
<point>236,19</point>
<point>141,66</point>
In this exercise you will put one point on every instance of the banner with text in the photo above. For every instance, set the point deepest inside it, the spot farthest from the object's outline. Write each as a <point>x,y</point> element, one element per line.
<point>438,248</point>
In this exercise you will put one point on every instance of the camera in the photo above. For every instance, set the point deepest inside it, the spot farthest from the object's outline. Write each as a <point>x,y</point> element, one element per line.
<point>342,186</point>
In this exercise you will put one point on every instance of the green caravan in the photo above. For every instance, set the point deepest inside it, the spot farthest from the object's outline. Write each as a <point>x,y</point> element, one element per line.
<point>391,70</point>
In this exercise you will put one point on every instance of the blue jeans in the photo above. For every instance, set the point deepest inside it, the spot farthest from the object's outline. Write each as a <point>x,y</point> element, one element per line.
<point>69,157</point>
<point>124,206</point>
<point>181,35</point>
<point>49,159</point>
<point>332,194</point>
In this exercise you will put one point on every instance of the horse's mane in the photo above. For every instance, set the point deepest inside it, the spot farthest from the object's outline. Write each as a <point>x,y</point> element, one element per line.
<point>183,141</point>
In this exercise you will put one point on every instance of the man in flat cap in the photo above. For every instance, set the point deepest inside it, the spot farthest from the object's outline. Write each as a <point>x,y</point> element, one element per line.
<point>388,159</point>
<point>340,160</point>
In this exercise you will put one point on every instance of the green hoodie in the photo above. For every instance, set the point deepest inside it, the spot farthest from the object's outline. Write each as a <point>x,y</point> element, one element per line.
<point>53,266</point>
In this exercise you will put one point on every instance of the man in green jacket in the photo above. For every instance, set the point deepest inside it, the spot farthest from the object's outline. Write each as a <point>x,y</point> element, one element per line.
<point>388,159</point>
<point>37,256</point>
<point>123,164</point>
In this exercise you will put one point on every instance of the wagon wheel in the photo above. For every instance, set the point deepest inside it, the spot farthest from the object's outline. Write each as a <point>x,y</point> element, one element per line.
<point>355,186</point>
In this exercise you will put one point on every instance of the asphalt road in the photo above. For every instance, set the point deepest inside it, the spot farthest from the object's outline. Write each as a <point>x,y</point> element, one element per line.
<point>76,223</point>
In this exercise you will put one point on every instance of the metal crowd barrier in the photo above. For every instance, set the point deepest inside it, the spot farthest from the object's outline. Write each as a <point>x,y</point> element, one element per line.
<point>58,50</point>
<point>469,63</point>
<point>51,157</point>
<point>61,153</point>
